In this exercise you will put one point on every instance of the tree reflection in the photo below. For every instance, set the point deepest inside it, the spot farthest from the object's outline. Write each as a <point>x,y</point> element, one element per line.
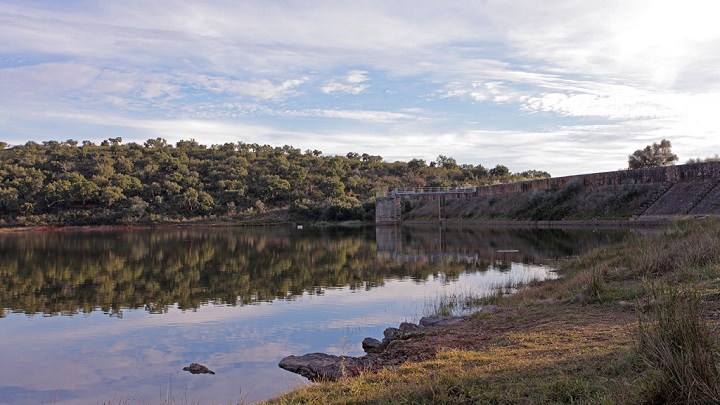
<point>66,272</point>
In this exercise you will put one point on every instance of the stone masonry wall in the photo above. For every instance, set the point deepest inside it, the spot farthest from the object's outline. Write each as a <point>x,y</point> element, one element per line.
<point>668,174</point>
<point>388,209</point>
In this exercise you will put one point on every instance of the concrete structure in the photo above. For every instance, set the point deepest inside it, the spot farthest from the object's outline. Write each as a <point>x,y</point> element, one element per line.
<point>388,205</point>
<point>687,189</point>
<point>387,209</point>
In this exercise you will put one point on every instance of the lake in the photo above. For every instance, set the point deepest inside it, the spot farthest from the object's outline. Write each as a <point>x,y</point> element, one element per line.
<point>112,316</point>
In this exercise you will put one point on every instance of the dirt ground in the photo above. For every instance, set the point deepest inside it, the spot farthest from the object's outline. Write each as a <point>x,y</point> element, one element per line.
<point>557,326</point>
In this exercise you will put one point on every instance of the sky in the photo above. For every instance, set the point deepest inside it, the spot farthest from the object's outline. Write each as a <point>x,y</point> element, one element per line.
<point>567,87</point>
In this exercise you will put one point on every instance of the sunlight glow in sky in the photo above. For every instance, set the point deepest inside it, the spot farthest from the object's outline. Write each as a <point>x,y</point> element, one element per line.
<point>567,87</point>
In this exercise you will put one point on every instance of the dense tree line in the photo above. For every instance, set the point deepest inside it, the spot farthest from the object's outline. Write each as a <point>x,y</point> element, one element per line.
<point>715,158</point>
<point>83,183</point>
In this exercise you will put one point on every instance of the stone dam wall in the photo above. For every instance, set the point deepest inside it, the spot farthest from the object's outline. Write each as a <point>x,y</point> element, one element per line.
<point>691,189</point>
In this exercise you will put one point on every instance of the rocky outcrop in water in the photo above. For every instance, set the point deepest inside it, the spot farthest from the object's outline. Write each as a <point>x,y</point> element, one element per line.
<point>321,366</point>
<point>390,351</point>
<point>196,368</point>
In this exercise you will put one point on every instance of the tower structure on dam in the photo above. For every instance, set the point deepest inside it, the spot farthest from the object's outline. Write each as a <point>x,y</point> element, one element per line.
<point>387,209</point>
<point>388,205</point>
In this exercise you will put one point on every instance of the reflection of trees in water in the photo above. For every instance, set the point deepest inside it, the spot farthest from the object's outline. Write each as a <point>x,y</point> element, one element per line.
<point>532,245</point>
<point>66,272</point>
<point>63,272</point>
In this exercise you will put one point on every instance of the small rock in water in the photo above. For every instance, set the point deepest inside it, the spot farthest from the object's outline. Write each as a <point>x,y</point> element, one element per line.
<point>198,369</point>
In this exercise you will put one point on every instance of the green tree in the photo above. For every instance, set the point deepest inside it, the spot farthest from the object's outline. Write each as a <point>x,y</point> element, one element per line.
<point>82,190</point>
<point>9,198</point>
<point>110,195</point>
<point>446,162</point>
<point>272,187</point>
<point>655,155</point>
<point>191,198</point>
<point>371,158</point>
<point>499,171</point>
<point>533,174</point>
<point>480,171</point>
<point>416,165</point>
<point>197,200</point>
<point>157,143</point>
<point>56,192</point>
<point>332,187</point>
<point>171,188</point>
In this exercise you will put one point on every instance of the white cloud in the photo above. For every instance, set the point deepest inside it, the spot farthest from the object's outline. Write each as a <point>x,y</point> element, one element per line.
<point>641,69</point>
<point>638,40</point>
<point>333,87</point>
<point>262,89</point>
<point>642,43</point>
<point>622,107</point>
<point>230,110</point>
<point>39,81</point>
<point>493,91</point>
<point>353,83</point>
<point>363,115</point>
<point>356,76</point>
<point>78,86</point>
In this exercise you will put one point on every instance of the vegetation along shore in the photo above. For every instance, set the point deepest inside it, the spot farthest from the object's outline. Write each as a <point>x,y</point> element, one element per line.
<point>628,323</point>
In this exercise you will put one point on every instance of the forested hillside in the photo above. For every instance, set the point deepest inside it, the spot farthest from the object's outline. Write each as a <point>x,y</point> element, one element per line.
<point>81,183</point>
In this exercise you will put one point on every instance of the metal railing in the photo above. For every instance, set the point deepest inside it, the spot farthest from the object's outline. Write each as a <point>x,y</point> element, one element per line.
<point>425,190</point>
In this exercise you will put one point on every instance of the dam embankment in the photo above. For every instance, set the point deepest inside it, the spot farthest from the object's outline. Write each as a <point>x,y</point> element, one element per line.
<point>650,194</point>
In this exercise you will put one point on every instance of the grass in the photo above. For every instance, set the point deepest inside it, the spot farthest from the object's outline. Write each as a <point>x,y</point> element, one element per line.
<point>643,331</point>
<point>676,343</point>
<point>463,301</point>
<point>572,202</point>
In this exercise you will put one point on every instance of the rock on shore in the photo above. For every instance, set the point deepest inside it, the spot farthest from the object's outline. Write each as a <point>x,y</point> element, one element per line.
<point>388,352</point>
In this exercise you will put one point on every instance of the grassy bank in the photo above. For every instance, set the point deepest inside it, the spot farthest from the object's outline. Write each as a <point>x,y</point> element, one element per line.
<point>572,202</point>
<point>631,323</point>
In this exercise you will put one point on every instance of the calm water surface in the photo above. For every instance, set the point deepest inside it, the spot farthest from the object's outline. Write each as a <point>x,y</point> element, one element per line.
<point>113,316</point>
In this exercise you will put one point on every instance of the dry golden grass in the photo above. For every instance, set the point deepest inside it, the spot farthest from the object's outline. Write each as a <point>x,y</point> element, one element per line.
<point>532,354</point>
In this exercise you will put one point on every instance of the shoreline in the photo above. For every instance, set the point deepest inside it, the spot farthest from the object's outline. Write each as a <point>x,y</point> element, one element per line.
<point>587,337</point>
<point>66,228</point>
<point>548,224</point>
<point>447,222</point>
